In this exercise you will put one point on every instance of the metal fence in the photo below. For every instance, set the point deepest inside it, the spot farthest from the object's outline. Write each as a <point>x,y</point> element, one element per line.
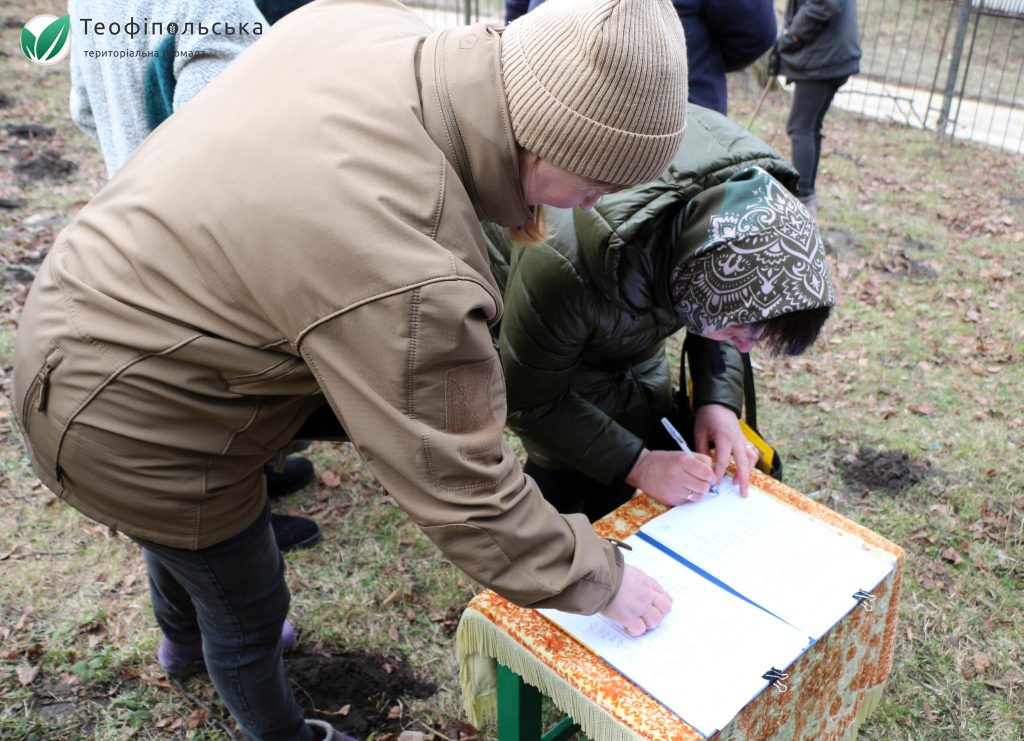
<point>953,67</point>
<point>450,13</point>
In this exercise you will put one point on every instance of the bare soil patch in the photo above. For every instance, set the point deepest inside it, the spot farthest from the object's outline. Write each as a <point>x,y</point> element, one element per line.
<point>890,471</point>
<point>30,131</point>
<point>356,691</point>
<point>47,166</point>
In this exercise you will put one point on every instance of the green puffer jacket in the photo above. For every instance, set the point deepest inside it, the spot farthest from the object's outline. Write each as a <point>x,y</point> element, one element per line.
<point>582,339</point>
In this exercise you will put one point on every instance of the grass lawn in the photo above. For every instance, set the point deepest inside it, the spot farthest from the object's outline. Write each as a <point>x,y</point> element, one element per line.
<point>906,417</point>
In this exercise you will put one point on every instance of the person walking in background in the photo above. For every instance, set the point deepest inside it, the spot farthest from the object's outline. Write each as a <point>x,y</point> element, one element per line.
<point>819,50</point>
<point>111,102</point>
<point>302,240</point>
<point>721,36</point>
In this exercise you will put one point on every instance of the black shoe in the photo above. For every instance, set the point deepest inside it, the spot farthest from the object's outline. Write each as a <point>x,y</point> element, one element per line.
<point>294,532</point>
<point>297,473</point>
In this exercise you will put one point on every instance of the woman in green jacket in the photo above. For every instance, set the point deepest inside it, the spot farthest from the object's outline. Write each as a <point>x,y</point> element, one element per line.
<point>717,246</point>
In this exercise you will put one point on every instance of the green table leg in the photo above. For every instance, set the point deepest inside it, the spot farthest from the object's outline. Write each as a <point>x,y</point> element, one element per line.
<point>518,708</point>
<point>519,711</point>
<point>564,729</point>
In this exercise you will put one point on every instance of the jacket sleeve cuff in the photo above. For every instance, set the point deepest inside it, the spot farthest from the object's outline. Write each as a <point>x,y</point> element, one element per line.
<point>588,596</point>
<point>716,369</point>
<point>632,462</point>
<point>613,458</point>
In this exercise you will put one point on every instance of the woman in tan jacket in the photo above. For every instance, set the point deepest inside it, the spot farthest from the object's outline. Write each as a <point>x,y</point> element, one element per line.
<point>300,242</point>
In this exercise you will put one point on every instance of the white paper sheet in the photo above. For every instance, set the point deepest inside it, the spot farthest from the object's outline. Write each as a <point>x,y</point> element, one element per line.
<point>705,661</point>
<point>795,566</point>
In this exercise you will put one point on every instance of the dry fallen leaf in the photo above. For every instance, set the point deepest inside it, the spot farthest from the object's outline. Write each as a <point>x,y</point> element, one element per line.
<point>330,479</point>
<point>981,662</point>
<point>196,718</point>
<point>26,674</point>
<point>921,537</point>
<point>24,616</point>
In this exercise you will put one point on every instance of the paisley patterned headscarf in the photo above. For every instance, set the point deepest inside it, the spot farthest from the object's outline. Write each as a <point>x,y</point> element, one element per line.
<point>758,255</point>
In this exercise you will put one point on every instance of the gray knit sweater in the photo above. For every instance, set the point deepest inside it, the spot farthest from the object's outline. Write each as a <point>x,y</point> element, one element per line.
<point>107,98</point>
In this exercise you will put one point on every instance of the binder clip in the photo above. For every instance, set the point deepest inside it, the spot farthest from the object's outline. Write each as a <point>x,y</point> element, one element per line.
<point>775,677</point>
<point>865,599</point>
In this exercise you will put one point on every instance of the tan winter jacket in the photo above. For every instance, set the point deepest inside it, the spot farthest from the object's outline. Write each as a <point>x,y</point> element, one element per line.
<point>305,229</point>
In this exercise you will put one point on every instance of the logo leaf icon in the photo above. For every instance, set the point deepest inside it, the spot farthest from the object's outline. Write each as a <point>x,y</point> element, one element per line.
<point>52,38</point>
<point>28,43</point>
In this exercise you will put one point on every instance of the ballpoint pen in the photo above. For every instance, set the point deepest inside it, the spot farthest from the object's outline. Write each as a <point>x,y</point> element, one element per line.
<point>681,442</point>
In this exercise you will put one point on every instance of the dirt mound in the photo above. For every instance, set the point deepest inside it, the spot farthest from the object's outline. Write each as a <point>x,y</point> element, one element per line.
<point>46,166</point>
<point>842,243</point>
<point>30,131</point>
<point>890,471</point>
<point>355,691</point>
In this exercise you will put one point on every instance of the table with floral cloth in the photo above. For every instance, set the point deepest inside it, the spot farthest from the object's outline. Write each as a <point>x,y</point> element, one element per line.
<point>831,688</point>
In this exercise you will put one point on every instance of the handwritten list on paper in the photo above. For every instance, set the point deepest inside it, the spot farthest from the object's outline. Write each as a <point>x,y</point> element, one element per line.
<point>791,564</point>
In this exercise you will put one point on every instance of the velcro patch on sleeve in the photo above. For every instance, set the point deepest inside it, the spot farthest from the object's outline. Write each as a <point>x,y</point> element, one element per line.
<point>469,409</point>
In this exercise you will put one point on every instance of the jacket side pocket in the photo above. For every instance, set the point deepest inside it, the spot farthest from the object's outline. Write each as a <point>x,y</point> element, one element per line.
<point>37,395</point>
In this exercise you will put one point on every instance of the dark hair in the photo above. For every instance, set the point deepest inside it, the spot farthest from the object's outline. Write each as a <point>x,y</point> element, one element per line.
<point>792,333</point>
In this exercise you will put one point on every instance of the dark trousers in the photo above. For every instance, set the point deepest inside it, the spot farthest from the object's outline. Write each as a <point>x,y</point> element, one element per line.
<point>811,101</point>
<point>572,491</point>
<point>233,597</point>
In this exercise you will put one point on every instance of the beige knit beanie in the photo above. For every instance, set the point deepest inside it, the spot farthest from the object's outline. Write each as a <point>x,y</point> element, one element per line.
<point>598,87</point>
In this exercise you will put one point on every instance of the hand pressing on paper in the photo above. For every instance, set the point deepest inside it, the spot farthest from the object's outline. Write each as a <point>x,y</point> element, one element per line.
<point>671,476</point>
<point>640,603</point>
<point>719,425</point>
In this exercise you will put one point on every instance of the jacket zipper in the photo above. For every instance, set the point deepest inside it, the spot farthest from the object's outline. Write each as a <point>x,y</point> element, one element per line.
<point>43,379</point>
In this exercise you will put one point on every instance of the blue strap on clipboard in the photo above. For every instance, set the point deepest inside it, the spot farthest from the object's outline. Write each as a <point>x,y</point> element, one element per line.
<point>711,578</point>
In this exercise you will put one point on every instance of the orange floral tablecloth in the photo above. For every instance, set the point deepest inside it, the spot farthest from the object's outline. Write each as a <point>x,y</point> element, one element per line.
<point>833,687</point>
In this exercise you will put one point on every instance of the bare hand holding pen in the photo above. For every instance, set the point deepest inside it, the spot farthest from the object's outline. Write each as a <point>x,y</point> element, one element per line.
<point>672,477</point>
